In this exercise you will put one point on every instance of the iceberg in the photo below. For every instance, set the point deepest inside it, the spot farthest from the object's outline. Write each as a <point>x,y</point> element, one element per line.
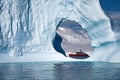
<point>30,25</point>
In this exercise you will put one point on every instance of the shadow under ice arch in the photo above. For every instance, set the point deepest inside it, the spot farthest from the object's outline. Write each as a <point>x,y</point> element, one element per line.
<point>71,37</point>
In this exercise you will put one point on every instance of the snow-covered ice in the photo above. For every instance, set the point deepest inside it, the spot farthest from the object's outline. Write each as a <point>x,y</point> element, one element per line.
<point>29,26</point>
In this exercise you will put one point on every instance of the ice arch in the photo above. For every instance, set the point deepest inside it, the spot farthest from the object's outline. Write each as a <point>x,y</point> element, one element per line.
<point>30,25</point>
<point>71,37</point>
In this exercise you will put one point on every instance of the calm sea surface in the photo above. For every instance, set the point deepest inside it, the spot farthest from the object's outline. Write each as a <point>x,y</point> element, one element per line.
<point>60,71</point>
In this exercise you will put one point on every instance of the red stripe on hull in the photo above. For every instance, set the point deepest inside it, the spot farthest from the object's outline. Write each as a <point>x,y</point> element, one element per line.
<point>79,55</point>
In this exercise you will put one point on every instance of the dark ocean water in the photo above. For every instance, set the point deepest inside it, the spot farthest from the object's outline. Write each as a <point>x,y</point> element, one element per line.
<point>60,71</point>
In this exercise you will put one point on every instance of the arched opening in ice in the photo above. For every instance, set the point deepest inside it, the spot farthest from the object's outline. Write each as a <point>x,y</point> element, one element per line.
<point>71,37</point>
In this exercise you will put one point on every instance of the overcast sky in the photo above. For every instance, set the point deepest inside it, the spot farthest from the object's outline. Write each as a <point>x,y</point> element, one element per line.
<point>110,5</point>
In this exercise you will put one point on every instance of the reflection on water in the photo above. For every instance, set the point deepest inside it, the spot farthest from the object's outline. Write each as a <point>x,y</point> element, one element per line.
<point>73,71</point>
<point>60,71</point>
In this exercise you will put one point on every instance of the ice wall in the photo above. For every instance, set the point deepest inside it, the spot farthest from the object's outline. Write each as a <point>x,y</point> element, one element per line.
<point>30,25</point>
